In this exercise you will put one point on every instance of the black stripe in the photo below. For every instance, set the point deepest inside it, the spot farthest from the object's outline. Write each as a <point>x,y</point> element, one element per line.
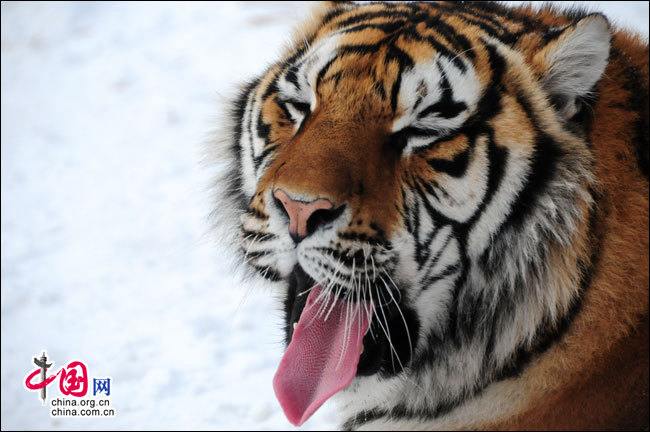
<point>489,28</point>
<point>433,213</point>
<point>446,272</point>
<point>264,236</point>
<point>544,159</point>
<point>365,16</point>
<point>263,129</point>
<point>387,27</point>
<point>411,33</point>
<point>457,40</point>
<point>455,167</point>
<point>234,176</point>
<point>333,14</point>
<point>394,53</point>
<point>415,232</point>
<point>302,107</point>
<point>434,260</point>
<point>404,61</point>
<point>446,107</point>
<point>410,220</point>
<point>428,189</point>
<point>291,76</point>
<point>454,330</point>
<point>394,91</point>
<point>412,131</point>
<point>268,151</point>
<point>486,12</point>
<point>434,185</point>
<point>423,246</point>
<point>267,272</point>
<point>283,106</point>
<point>324,69</point>
<point>272,88</point>
<point>498,158</point>
<point>259,253</point>
<point>359,49</point>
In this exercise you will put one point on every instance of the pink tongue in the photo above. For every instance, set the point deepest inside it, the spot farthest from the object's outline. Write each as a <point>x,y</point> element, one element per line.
<point>321,358</point>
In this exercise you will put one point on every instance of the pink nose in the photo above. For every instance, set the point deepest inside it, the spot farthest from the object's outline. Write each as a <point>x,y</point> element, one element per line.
<point>300,212</point>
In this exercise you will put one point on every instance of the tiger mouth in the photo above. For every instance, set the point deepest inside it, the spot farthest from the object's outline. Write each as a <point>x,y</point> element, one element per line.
<point>376,355</point>
<point>326,352</point>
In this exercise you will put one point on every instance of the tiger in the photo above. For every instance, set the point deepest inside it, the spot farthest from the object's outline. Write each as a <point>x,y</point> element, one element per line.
<point>450,200</point>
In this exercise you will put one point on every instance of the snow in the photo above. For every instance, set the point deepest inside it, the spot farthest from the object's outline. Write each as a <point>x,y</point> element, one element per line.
<point>106,252</point>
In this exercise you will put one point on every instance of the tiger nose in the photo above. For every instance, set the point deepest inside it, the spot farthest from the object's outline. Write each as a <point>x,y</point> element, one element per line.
<point>305,217</point>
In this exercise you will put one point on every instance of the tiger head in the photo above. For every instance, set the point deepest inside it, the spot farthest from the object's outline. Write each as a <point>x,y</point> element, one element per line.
<point>416,181</point>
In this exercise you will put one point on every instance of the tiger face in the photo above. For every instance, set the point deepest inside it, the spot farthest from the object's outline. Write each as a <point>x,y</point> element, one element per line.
<point>415,180</point>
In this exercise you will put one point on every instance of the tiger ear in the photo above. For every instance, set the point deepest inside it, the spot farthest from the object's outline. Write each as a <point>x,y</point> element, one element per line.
<point>574,61</point>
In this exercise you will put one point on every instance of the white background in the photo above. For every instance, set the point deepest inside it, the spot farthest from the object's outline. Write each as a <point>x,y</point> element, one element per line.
<point>106,256</point>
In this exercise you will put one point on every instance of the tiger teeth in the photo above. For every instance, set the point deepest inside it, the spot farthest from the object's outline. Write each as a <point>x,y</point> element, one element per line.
<point>295,325</point>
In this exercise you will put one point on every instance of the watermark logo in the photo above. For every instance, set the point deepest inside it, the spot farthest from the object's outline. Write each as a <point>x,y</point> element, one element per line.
<point>73,384</point>
<point>102,386</point>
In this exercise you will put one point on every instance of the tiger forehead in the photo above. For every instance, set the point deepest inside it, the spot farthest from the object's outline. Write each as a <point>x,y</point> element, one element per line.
<point>358,78</point>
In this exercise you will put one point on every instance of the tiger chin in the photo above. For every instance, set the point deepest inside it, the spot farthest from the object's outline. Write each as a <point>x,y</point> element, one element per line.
<point>451,201</point>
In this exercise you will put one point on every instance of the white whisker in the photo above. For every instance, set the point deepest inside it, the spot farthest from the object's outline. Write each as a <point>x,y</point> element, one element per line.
<point>386,331</point>
<point>399,309</point>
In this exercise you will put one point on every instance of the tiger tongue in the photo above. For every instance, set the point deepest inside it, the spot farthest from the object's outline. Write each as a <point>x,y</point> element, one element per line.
<point>321,358</point>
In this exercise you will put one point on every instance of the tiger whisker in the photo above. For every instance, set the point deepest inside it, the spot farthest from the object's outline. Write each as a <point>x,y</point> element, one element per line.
<point>317,299</point>
<point>365,286</point>
<point>386,331</point>
<point>336,295</point>
<point>399,309</point>
<point>345,328</point>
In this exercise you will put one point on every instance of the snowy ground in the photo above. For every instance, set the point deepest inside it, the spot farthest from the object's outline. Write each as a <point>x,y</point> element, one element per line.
<point>105,256</point>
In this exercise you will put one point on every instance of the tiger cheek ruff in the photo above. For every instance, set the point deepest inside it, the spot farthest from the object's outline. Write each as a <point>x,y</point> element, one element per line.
<point>451,200</point>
